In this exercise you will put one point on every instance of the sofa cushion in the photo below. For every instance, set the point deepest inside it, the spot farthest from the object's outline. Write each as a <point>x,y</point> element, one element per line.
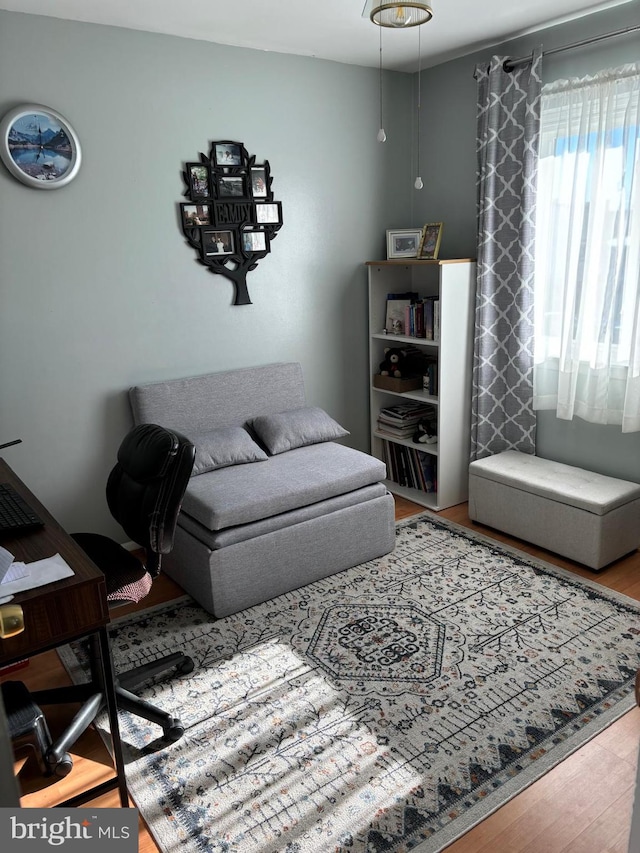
<point>300,427</point>
<point>242,494</point>
<point>224,446</point>
<point>228,398</point>
<point>216,539</point>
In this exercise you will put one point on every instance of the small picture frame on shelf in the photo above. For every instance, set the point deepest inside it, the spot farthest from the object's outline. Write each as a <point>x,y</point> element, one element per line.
<point>395,319</point>
<point>217,243</point>
<point>403,243</point>
<point>430,242</point>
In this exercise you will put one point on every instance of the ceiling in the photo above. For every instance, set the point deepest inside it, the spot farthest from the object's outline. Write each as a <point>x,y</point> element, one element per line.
<point>325,29</point>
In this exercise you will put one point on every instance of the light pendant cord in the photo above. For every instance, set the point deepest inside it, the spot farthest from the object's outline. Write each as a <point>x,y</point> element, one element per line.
<point>382,136</point>
<point>418,181</point>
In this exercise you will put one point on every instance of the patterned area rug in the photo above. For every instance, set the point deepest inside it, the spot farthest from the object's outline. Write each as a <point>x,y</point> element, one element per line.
<point>387,708</point>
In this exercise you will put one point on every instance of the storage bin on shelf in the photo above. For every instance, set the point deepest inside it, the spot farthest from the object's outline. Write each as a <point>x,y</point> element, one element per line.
<point>397,384</point>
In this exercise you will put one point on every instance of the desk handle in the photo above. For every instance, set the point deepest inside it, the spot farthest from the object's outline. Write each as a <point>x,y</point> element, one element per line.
<point>11,620</point>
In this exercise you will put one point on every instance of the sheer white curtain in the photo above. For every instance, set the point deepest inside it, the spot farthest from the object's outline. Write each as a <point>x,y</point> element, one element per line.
<point>587,256</point>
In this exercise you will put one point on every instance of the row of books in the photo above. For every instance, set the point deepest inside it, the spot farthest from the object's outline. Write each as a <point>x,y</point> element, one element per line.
<point>401,420</point>
<point>410,467</point>
<point>408,314</point>
<point>422,319</point>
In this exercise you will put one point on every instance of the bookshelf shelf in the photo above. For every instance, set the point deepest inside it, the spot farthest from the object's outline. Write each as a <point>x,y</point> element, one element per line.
<point>452,282</point>
<point>431,449</point>
<point>427,499</point>
<point>394,340</point>
<point>419,396</point>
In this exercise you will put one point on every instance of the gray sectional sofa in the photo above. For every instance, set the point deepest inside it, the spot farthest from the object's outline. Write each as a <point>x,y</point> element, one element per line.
<point>275,501</point>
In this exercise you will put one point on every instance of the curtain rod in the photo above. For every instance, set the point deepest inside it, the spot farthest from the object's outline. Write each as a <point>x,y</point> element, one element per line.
<point>510,64</point>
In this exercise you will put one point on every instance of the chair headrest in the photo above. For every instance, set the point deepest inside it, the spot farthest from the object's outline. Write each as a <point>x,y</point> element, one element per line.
<point>146,487</point>
<point>147,452</point>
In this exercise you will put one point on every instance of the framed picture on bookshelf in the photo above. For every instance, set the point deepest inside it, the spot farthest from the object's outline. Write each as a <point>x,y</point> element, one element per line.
<point>430,242</point>
<point>403,243</point>
<point>396,315</point>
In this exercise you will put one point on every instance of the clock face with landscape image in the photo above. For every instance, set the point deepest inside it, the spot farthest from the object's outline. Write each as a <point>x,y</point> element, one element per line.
<point>39,147</point>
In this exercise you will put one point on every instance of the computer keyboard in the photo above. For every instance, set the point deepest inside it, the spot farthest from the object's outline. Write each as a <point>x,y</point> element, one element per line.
<point>16,516</point>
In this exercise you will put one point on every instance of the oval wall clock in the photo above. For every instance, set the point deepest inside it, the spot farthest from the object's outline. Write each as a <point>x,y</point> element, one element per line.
<point>39,147</point>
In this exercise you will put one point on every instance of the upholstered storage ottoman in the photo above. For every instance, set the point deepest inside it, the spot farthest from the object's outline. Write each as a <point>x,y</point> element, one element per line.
<point>587,517</point>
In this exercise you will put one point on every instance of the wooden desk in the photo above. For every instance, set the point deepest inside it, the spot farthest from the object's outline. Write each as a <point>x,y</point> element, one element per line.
<point>63,611</point>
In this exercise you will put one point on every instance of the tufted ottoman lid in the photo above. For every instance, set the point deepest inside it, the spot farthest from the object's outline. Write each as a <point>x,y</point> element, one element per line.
<point>556,481</point>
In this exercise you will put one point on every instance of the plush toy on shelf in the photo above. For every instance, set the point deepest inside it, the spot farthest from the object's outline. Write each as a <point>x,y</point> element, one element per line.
<point>425,432</point>
<point>394,362</point>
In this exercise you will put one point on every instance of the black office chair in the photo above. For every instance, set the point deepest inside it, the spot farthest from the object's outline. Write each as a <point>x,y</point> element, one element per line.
<point>144,494</point>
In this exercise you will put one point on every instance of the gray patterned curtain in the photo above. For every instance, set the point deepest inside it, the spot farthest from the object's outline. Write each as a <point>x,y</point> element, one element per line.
<point>507,146</point>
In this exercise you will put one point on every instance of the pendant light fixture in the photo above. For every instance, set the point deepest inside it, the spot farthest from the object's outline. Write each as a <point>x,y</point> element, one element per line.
<point>399,16</point>
<point>382,136</point>
<point>418,181</point>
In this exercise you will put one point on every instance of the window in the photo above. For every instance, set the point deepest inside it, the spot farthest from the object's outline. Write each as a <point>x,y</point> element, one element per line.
<point>587,257</point>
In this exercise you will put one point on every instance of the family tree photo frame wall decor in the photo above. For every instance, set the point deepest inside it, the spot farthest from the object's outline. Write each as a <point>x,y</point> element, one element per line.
<point>231,216</point>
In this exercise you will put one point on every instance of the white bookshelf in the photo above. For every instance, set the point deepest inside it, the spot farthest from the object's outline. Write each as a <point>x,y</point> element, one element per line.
<point>453,282</point>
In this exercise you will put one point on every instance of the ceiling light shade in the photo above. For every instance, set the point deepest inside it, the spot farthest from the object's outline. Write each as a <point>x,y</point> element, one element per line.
<point>398,15</point>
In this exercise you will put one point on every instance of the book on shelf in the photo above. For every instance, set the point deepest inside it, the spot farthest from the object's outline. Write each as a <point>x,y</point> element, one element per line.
<point>396,432</point>
<point>410,467</point>
<point>409,315</point>
<point>405,414</point>
<point>401,420</point>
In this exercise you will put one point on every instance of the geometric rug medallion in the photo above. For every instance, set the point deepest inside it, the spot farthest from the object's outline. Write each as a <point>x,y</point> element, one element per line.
<point>385,709</point>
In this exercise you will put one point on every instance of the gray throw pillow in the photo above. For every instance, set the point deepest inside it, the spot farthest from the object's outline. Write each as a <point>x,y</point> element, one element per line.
<point>296,428</point>
<point>224,446</point>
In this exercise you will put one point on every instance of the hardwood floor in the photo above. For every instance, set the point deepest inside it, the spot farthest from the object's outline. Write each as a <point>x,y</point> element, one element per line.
<point>581,806</point>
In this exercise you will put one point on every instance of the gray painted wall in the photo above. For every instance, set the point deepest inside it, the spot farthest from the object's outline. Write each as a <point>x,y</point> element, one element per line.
<point>448,132</point>
<point>98,289</point>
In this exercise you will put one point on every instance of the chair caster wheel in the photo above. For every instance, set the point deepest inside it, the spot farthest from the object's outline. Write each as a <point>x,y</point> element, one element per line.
<point>186,667</point>
<point>173,732</point>
<point>62,767</point>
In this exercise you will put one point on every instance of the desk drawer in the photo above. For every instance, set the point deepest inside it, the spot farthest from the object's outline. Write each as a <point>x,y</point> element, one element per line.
<point>56,618</point>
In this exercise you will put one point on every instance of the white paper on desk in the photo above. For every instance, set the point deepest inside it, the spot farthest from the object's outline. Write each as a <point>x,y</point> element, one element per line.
<point>14,573</point>
<point>6,561</point>
<point>41,572</point>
